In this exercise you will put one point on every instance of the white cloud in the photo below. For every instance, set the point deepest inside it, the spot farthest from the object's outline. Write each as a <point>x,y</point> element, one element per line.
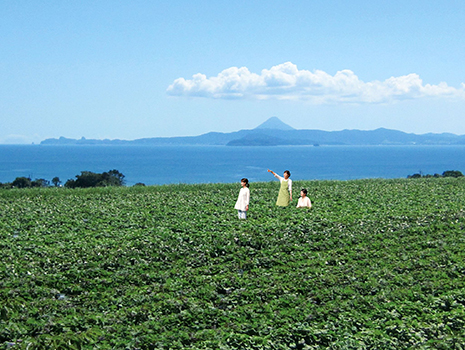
<point>286,81</point>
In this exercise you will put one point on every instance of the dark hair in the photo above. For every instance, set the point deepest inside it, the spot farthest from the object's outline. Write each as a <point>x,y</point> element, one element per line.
<point>304,190</point>
<point>288,172</point>
<point>246,181</point>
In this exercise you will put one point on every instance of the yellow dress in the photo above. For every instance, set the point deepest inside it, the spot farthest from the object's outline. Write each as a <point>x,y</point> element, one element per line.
<point>283,196</point>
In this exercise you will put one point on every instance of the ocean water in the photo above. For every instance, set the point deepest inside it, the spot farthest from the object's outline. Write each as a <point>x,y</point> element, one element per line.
<point>157,165</point>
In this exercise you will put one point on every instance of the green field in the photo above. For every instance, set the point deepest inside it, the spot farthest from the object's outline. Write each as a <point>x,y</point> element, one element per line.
<point>376,264</point>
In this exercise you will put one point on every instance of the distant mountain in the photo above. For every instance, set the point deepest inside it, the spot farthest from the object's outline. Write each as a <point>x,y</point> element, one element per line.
<point>274,123</point>
<point>274,132</point>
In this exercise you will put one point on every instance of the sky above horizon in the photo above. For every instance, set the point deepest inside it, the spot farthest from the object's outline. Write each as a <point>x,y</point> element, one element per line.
<point>130,70</point>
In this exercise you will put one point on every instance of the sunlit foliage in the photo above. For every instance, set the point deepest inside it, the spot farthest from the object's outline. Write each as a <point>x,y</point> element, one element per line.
<point>375,264</point>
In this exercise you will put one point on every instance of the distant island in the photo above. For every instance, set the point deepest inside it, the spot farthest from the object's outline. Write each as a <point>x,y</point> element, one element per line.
<point>274,132</point>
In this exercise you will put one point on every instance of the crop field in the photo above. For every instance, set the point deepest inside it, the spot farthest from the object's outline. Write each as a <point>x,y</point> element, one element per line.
<point>375,264</point>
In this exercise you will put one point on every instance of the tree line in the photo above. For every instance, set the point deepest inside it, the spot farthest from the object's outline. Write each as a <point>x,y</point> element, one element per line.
<point>84,180</point>
<point>115,178</point>
<point>447,173</point>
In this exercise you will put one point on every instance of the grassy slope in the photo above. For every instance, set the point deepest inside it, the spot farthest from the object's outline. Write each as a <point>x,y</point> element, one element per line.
<point>375,264</point>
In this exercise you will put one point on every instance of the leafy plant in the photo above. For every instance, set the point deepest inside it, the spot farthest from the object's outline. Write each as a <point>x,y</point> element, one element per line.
<point>375,264</point>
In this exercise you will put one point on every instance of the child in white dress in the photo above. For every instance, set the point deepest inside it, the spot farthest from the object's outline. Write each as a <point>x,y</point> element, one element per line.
<point>242,204</point>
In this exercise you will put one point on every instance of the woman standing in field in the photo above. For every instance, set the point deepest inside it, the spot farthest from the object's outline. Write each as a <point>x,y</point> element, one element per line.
<point>285,191</point>
<point>242,204</point>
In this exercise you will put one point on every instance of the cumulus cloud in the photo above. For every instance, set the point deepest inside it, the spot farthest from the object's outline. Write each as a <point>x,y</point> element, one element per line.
<point>287,82</point>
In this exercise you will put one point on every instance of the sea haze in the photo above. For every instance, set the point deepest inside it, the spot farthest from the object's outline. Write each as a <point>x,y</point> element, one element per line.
<point>157,165</point>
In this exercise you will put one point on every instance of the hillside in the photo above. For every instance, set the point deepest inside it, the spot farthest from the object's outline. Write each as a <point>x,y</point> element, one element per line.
<point>375,264</point>
<point>274,132</point>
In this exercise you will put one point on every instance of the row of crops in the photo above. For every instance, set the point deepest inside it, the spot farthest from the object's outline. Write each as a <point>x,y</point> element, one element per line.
<point>375,264</point>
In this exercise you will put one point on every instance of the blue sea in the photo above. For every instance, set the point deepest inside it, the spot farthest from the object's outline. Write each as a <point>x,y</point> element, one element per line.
<point>157,165</point>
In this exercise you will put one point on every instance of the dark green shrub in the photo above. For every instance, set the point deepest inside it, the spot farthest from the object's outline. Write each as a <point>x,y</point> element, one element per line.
<point>452,173</point>
<point>21,182</point>
<point>91,179</point>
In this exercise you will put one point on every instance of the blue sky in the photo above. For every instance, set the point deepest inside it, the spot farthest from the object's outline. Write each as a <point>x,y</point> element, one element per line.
<point>135,69</point>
